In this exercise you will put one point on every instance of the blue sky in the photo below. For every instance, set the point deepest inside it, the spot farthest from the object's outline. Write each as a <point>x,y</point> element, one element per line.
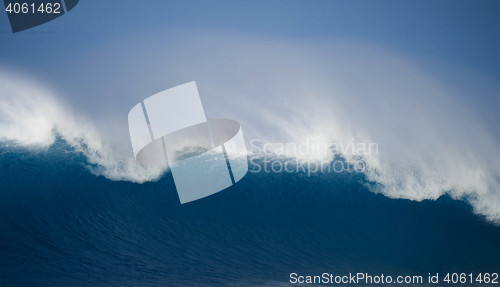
<point>466,32</point>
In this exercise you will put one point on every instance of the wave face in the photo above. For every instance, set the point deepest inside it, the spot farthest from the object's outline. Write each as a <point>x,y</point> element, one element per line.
<point>68,227</point>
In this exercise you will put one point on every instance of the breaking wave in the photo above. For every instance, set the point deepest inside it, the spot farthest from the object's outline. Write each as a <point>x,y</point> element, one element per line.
<point>429,142</point>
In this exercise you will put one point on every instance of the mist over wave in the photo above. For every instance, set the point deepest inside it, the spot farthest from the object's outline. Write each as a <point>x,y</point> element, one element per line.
<point>432,137</point>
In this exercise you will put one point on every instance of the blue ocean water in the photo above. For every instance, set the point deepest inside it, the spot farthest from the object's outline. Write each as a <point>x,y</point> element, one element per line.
<point>61,225</point>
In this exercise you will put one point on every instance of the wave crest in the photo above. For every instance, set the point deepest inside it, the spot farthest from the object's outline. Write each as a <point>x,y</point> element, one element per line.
<point>31,116</point>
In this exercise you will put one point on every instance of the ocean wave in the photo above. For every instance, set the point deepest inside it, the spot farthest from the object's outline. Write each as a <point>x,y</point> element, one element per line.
<point>430,141</point>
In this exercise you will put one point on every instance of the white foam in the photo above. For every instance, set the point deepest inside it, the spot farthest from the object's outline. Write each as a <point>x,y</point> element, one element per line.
<point>31,116</point>
<point>431,142</point>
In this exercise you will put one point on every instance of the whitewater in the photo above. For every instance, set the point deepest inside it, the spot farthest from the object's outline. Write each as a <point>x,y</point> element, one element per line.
<point>430,141</point>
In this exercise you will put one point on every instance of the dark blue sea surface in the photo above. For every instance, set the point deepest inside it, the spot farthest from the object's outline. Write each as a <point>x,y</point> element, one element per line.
<point>61,225</point>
